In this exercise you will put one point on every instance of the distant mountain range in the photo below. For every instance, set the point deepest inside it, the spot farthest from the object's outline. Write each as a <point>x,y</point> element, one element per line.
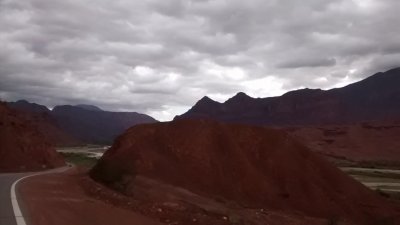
<point>70,125</point>
<point>358,122</point>
<point>374,98</point>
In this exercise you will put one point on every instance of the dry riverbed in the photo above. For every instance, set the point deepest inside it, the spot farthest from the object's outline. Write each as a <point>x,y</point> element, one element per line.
<point>385,181</point>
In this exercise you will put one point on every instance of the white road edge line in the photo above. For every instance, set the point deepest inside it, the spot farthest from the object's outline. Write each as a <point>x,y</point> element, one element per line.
<point>17,210</point>
<point>14,201</point>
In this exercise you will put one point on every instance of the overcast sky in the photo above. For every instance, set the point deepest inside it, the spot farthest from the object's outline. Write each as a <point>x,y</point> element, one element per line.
<point>160,56</point>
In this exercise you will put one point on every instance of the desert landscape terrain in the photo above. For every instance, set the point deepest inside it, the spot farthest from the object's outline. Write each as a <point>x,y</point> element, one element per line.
<point>202,170</point>
<point>199,112</point>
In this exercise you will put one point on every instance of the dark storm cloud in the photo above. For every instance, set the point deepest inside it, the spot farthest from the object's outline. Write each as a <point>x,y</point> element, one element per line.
<point>159,57</point>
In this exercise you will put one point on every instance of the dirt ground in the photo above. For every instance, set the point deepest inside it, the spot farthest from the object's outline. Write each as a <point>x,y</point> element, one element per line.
<point>60,199</point>
<point>72,198</point>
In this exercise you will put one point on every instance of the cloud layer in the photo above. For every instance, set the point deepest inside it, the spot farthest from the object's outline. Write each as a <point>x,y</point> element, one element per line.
<point>160,57</point>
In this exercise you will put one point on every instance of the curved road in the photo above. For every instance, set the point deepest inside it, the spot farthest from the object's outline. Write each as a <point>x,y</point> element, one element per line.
<point>7,216</point>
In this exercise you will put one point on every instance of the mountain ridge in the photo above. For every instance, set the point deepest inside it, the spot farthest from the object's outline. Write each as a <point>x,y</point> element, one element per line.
<point>375,97</point>
<point>81,123</point>
<point>89,107</point>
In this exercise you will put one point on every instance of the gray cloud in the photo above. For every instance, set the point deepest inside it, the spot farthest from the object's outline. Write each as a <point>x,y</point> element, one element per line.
<point>307,62</point>
<point>160,57</point>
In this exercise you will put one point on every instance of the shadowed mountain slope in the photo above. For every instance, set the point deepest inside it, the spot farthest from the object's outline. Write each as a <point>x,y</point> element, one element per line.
<point>94,126</point>
<point>70,125</point>
<point>374,98</point>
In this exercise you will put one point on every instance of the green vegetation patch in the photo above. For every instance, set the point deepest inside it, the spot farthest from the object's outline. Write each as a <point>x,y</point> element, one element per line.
<point>79,159</point>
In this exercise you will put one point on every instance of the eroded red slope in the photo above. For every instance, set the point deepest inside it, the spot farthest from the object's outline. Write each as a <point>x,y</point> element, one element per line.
<point>253,166</point>
<point>22,147</point>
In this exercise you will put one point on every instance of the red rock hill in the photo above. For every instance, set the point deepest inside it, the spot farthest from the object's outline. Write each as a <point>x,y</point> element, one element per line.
<point>253,166</point>
<point>22,147</point>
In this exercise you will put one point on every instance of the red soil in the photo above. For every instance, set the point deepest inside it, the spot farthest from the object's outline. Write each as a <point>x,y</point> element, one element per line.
<point>22,147</point>
<point>60,199</point>
<point>174,205</point>
<point>76,199</point>
<point>372,141</point>
<point>252,166</point>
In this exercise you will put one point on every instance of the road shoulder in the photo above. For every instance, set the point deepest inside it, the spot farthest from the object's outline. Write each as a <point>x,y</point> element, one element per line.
<point>59,199</point>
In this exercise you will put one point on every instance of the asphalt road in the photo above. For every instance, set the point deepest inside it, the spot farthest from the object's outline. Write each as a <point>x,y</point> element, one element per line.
<point>6,210</point>
<point>7,216</point>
